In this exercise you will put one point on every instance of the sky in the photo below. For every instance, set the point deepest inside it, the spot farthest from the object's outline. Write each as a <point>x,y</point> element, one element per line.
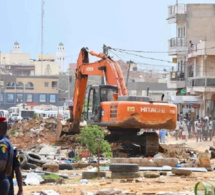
<point>126,24</point>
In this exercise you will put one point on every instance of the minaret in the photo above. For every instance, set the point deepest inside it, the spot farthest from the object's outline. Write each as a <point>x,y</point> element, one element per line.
<point>60,55</point>
<point>16,48</point>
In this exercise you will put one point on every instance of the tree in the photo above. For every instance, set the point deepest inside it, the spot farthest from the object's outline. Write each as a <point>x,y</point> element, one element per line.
<point>93,138</point>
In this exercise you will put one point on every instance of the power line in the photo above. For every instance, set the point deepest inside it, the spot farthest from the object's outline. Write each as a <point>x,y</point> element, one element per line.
<point>140,64</point>
<point>149,58</point>
<point>140,51</point>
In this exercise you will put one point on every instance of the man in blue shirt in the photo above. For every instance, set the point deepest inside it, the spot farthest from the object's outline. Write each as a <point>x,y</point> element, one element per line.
<point>6,158</point>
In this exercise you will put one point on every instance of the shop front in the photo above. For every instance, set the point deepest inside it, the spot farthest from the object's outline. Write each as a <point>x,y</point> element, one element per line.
<point>188,106</point>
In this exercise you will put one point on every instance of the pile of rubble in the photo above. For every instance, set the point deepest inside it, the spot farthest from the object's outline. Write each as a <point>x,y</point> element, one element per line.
<point>26,134</point>
<point>179,151</point>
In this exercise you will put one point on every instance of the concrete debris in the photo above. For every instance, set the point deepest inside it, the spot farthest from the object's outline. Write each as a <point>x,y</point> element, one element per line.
<point>181,172</point>
<point>204,160</point>
<point>158,162</point>
<point>51,167</point>
<point>151,174</point>
<point>49,192</point>
<point>49,150</point>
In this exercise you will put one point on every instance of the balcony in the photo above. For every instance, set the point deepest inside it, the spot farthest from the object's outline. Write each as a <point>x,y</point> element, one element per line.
<point>177,13</point>
<point>177,46</point>
<point>176,80</point>
<point>201,84</point>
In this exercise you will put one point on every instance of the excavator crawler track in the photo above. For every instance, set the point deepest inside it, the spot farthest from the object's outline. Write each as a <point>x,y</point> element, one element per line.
<point>136,145</point>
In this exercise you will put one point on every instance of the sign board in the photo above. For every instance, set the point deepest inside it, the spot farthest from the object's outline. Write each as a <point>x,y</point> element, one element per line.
<point>69,103</point>
<point>174,60</point>
<point>183,92</point>
<point>85,153</point>
<point>195,106</point>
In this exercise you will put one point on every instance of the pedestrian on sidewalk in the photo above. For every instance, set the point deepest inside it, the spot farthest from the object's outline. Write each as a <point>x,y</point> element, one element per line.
<point>163,136</point>
<point>205,128</point>
<point>177,129</point>
<point>210,128</point>
<point>199,131</point>
<point>189,128</point>
<point>185,129</point>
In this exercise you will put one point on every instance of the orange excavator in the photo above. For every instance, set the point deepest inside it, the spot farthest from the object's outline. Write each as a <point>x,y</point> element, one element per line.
<point>111,106</point>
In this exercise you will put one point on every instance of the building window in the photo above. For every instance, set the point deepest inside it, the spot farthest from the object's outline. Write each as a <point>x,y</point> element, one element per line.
<point>42,98</point>
<point>29,98</point>
<point>29,86</point>
<point>10,85</point>
<point>10,97</point>
<point>52,98</point>
<point>54,84</point>
<point>46,84</point>
<point>19,85</point>
<point>1,97</point>
<point>48,70</point>
<point>19,98</point>
<point>134,69</point>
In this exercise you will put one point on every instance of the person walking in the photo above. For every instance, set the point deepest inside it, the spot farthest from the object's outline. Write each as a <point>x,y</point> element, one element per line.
<point>6,158</point>
<point>163,135</point>
<point>210,128</point>
<point>205,128</point>
<point>17,169</point>
<point>185,129</point>
<point>177,129</point>
<point>199,131</point>
<point>189,128</point>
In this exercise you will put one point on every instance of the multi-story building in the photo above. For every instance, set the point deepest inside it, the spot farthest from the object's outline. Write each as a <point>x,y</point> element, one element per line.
<point>194,23</point>
<point>201,75</point>
<point>46,65</point>
<point>16,62</point>
<point>66,88</point>
<point>33,81</point>
<point>154,90</point>
<point>32,90</point>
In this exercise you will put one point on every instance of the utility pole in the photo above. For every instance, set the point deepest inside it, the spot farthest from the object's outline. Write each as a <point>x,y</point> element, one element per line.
<point>129,66</point>
<point>42,16</point>
<point>105,49</point>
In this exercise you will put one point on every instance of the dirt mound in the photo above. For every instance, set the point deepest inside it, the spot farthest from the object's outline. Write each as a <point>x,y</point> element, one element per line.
<point>27,134</point>
<point>179,151</point>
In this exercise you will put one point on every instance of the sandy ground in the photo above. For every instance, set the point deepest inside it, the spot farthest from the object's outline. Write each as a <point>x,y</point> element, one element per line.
<point>169,183</point>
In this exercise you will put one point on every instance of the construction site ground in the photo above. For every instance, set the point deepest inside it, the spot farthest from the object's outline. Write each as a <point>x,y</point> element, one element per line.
<point>169,183</point>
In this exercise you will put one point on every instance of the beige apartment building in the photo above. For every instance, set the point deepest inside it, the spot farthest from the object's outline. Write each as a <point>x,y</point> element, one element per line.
<point>195,23</point>
<point>201,75</point>
<point>46,65</point>
<point>18,63</point>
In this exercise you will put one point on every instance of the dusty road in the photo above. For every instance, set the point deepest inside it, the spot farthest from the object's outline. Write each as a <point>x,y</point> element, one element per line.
<point>169,183</point>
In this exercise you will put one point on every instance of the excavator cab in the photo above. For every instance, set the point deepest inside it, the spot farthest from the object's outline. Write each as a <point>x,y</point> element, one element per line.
<point>96,95</point>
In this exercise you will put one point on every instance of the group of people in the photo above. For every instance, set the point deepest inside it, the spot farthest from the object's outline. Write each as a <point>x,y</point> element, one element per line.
<point>9,163</point>
<point>203,129</point>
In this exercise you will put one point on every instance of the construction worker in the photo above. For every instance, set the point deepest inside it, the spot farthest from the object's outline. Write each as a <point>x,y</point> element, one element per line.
<point>6,158</point>
<point>17,169</point>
